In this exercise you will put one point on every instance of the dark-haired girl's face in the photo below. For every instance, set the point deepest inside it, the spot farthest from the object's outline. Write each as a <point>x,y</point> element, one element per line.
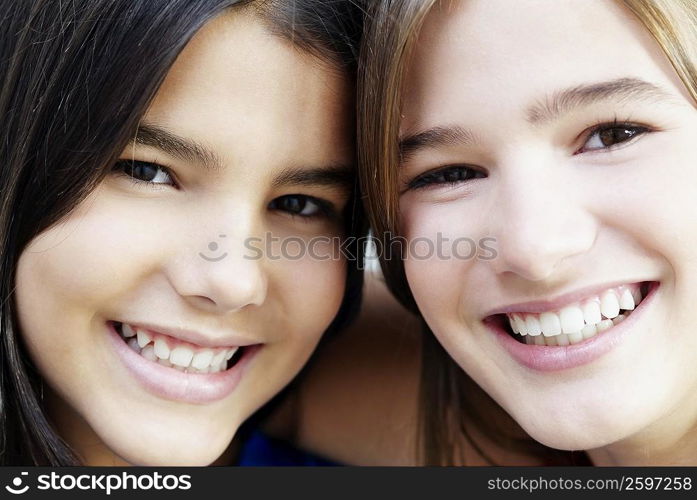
<point>196,280</point>
<point>561,131</point>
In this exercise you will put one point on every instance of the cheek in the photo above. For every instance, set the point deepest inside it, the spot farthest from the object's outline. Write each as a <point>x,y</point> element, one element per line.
<point>652,202</point>
<point>310,289</point>
<point>91,256</point>
<point>662,221</point>
<point>439,255</point>
<point>79,268</point>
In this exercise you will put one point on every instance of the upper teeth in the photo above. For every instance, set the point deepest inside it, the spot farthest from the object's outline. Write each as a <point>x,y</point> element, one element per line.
<point>577,322</point>
<point>181,357</point>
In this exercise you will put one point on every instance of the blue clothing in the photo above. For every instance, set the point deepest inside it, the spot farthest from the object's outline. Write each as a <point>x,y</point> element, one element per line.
<point>260,450</point>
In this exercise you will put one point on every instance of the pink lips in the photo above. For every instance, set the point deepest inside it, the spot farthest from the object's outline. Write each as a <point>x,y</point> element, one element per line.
<point>168,383</point>
<point>555,358</point>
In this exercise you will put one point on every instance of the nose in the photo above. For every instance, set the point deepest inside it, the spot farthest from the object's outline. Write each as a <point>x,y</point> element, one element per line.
<point>540,222</point>
<point>216,275</point>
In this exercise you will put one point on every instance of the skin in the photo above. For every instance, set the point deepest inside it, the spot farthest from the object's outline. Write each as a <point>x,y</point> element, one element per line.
<point>131,251</point>
<point>358,404</point>
<point>565,215</point>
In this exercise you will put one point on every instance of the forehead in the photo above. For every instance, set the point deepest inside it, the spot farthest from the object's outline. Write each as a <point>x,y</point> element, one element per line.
<point>241,90</point>
<point>485,57</point>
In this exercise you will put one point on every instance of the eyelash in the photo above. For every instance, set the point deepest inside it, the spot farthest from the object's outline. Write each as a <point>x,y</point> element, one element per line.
<point>120,169</point>
<point>325,209</point>
<point>638,131</point>
<point>426,180</point>
<point>429,178</point>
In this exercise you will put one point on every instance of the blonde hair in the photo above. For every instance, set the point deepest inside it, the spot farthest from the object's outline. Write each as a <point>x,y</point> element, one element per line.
<point>389,40</point>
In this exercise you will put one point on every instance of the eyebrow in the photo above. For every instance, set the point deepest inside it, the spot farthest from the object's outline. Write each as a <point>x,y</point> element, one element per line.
<point>433,138</point>
<point>192,151</point>
<point>567,100</point>
<point>543,111</point>
<point>332,175</point>
<point>177,146</point>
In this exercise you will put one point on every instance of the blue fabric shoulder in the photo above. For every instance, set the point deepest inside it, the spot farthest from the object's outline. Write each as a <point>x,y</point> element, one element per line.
<point>261,450</point>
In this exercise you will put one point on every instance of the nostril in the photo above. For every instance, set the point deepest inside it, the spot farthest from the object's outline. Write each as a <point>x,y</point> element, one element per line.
<point>206,301</point>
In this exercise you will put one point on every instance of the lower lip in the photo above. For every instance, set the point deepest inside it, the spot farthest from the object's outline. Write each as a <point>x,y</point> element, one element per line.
<point>169,383</point>
<point>556,358</point>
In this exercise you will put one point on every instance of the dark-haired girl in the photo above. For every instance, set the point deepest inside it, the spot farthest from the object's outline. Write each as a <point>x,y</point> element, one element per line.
<point>175,179</point>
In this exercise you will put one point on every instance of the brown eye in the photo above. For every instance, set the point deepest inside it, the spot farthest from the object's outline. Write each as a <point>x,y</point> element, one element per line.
<point>612,135</point>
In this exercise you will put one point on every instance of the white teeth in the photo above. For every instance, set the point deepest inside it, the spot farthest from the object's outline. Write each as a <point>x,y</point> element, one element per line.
<point>218,358</point>
<point>626,300</point>
<point>609,305</point>
<point>603,325</point>
<point>577,322</point>
<point>571,319</point>
<point>181,356</point>
<point>589,331</point>
<point>533,325</point>
<point>575,338</point>
<point>133,344</point>
<point>591,312</point>
<point>148,353</point>
<point>161,348</point>
<point>202,359</point>
<point>520,324</point>
<point>127,331</point>
<point>550,324</point>
<point>514,327</point>
<point>143,338</point>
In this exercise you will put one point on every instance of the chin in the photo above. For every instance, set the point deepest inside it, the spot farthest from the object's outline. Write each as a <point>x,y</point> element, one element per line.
<point>171,455</point>
<point>577,441</point>
<point>167,445</point>
<point>578,434</point>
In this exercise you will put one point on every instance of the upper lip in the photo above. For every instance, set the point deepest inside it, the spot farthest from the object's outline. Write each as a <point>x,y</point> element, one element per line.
<point>558,302</point>
<point>212,339</point>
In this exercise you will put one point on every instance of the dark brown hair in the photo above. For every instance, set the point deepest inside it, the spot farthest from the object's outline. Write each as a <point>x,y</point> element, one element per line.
<point>74,87</point>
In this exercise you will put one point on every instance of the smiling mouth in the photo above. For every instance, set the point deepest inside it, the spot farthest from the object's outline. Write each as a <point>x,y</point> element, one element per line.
<point>577,322</point>
<point>173,353</point>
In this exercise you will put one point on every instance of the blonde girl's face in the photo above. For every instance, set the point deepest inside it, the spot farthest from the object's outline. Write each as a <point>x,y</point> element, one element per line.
<point>560,131</point>
<point>165,310</point>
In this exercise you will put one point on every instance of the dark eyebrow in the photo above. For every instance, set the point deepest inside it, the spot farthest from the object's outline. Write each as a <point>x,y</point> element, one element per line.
<point>432,138</point>
<point>343,176</point>
<point>176,146</point>
<point>192,151</point>
<point>567,100</point>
